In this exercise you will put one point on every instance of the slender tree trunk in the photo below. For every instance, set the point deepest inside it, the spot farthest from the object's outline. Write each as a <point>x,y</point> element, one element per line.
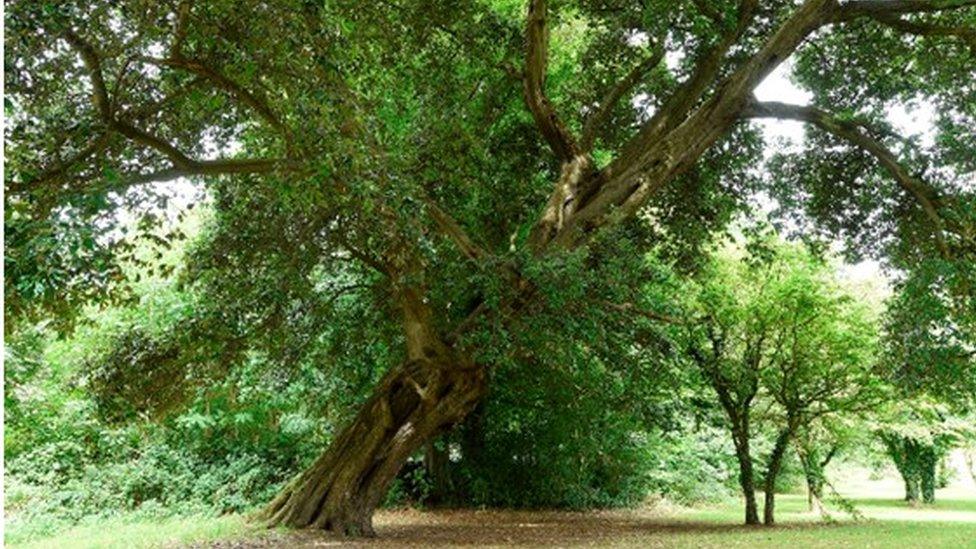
<point>813,472</point>
<point>746,474</point>
<point>772,472</point>
<point>413,403</point>
<point>928,459</point>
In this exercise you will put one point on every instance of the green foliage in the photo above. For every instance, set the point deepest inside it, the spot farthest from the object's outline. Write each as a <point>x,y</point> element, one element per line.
<point>146,370</point>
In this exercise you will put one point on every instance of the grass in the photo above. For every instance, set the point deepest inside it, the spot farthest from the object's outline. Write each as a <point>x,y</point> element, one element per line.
<point>889,523</point>
<point>129,532</point>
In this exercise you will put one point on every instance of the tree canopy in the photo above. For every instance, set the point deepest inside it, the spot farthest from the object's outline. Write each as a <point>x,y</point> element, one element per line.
<point>476,171</point>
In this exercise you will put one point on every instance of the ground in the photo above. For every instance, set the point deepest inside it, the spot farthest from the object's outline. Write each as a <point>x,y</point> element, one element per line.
<point>950,523</point>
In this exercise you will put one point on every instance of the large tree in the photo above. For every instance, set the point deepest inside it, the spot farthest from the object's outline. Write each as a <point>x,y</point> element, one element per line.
<point>459,157</point>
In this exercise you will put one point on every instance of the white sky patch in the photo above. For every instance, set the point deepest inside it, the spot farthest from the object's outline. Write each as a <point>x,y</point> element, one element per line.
<point>915,119</point>
<point>673,59</point>
<point>637,39</point>
<point>778,87</point>
<point>864,271</point>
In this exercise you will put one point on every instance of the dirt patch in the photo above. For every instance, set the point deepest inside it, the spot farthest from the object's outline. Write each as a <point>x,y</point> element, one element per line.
<point>441,528</point>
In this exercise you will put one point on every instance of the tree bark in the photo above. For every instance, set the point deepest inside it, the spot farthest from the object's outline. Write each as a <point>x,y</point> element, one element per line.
<point>340,491</point>
<point>772,471</point>
<point>435,389</point>
<point>746,474</point>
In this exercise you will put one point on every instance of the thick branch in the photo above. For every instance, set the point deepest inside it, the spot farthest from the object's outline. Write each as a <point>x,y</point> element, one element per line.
<point>205,167</point>
<point>94,65</point>
<point>875,8</point>
<point>855,134</point>
<point>534,79</point>
<point>655,157</point>
<point>676,108</point>
<point>179,29</point>
<point>965,33</point>
<point>630,308</point>
<point>236,91</point>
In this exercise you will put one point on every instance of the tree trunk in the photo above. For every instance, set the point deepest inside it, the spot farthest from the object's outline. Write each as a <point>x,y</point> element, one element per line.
<point>340,491</point>
<point>903,452</point>
<point>772,471</point>
<point>814,476</point>
<point>814,472</point>
<point>912,490</point>
<point>928,459</point>
<point>473,435</point>
<point>746,475</point>
<point>414,402</point>
<point>815,498</point>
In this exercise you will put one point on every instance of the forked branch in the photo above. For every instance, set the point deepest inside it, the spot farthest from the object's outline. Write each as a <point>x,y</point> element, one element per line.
<point>601,115</point>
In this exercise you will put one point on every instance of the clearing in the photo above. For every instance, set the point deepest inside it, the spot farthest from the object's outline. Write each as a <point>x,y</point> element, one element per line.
<point>950,523</point>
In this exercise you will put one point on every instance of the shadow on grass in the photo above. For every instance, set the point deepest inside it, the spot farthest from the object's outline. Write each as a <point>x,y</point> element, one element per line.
<point>515,528</point>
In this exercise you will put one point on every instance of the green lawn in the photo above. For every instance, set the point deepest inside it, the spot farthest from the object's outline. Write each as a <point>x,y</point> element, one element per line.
<point>132,532</point>
<point>950,523</point>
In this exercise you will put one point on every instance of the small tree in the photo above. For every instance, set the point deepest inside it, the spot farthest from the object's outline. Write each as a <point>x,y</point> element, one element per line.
<point>776,326</point>
<point>916,436</point>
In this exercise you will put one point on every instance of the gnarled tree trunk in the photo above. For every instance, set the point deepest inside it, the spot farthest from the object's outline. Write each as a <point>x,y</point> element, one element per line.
<point>340,491</point>
<point>413,403</point>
